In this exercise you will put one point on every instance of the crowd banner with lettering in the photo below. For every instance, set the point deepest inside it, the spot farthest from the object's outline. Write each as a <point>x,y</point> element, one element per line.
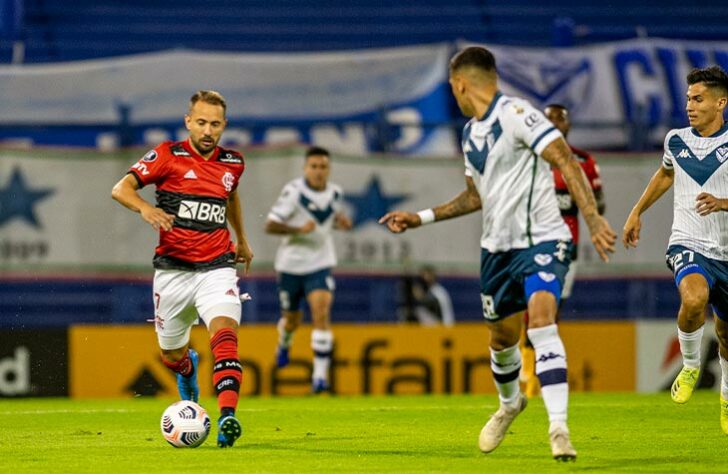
<point>370,359</point>
<point>56,211</point>
<point>615,86</point>
<point>618,93</point>
<point>271,97</point>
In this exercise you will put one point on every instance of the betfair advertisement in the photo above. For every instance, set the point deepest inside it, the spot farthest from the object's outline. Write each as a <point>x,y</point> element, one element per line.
<point>123,361</point>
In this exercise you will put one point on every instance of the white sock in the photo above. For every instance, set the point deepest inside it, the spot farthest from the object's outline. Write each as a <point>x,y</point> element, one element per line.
<point>284,337</point>
<point>551,370</point>
<point>690,347</point>
<point>506,365</point>
<point>724,377</point>
<point>322,342</point>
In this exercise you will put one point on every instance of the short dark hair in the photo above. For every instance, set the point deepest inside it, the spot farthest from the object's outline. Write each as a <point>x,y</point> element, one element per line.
<point>556,106</point>
<point>317,150</point>
<point>713,77</point>
<point>473,56</point>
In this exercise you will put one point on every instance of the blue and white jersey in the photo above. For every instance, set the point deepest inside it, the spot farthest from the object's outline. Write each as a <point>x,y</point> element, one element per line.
<point>516,187</point>
<point>699,167</point>
<point>297,204</point>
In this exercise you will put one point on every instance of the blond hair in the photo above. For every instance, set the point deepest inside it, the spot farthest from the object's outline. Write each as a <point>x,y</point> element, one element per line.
<point>209,97</point>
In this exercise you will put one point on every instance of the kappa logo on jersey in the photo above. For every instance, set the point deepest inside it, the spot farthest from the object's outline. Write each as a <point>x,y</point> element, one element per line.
<point>543,259</point>
<point>202,211</point>
<point>684,153</point>
<point>722,153</point>
<point>560,77</point>
<point>229,158</point>
<point>228,180</point>
<point>190,175</point>
<point>549,356</point>
<point>150,156</point>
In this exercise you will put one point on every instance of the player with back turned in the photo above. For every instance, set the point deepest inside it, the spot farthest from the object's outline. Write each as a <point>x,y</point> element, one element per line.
<point>196,191</point>
<point>525,242</point>
<point>697,254</point>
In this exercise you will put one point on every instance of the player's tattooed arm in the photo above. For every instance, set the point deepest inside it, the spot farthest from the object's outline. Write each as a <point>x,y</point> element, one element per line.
<point>464,203</point>
<point>558,154</point>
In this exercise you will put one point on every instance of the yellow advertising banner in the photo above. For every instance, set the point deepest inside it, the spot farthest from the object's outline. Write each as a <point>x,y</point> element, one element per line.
<point>122,361</point>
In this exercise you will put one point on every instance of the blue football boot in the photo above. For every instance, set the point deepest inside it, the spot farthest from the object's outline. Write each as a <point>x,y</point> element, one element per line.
<point>320,386</point>
<point>282,359</point>
<point>187,386</point>
<point>229,430</point>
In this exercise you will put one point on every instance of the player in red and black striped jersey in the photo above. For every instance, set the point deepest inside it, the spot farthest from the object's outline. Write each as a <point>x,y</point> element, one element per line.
<point>196,192</point>
<point>559,116</point>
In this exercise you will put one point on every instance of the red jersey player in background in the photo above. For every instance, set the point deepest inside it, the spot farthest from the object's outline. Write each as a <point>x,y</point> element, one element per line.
<point>196,189</point>
<point>559,116</point>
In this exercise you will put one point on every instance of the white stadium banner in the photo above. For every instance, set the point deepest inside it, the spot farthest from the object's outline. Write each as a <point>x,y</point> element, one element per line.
<point>342,99</point>
<point>282,93</point>
<point>609,85</point>
<point>56,210</point>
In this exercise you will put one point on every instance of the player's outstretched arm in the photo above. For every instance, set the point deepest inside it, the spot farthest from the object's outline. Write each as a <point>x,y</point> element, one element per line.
<point>243,252</point>
<point>464,203</point>
<point>659,184</point>
<point>125,192</point>
<point>281,228</point>
<point>602,236</point>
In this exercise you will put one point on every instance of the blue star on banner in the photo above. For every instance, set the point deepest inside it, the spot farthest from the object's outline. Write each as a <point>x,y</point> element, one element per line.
<point>372,203</point>
<point>18,200</point>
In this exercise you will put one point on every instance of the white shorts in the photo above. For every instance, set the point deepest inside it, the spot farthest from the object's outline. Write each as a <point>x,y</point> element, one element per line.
<point>213,293</point>
<point>569,280</point>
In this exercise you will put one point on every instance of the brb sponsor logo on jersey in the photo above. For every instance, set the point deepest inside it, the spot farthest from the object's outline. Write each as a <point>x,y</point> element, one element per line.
<point>202,211</point>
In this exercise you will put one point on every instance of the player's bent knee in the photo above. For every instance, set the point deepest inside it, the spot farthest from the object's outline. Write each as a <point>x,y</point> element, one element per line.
<point>694,301</point>
<point>221,322</point>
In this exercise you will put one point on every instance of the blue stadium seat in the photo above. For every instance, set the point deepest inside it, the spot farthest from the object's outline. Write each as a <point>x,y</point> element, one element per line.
<point>60,30</point>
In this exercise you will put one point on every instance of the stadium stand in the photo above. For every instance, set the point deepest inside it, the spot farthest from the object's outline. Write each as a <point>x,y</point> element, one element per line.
<point>57,30</point>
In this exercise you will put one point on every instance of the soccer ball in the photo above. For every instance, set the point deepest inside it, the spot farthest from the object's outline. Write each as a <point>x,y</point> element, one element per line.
<point>185,424</point>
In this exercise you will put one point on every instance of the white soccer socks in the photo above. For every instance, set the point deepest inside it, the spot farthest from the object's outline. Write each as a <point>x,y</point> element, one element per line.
<point>322,343</point>
<point>506,366</point>
<point>551,371</point>
<point>284,336</point>
<point>724,377</point>
<point>690,347</point>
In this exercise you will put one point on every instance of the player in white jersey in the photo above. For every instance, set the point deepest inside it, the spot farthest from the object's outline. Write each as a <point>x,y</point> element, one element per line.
<point>525,242</point>
<point>697,252</point>
<point>305,214</point>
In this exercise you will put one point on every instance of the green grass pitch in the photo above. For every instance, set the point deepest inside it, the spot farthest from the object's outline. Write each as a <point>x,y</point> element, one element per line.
<point>611,432</point>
